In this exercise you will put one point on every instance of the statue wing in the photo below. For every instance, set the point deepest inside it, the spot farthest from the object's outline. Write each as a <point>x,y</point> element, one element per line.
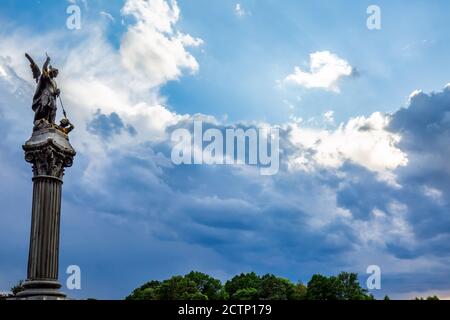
<point>34,68</point>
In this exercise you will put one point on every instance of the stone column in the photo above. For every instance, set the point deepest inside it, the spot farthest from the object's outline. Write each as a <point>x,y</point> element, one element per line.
<point>49,151</point>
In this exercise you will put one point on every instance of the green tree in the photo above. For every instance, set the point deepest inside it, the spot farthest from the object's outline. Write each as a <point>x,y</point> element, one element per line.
<point>148,291</point>
<point>207,285</point>
<point>299,293</point>
<point>242,281</point>
<point>343,287</point>
<point>17,288</point>
<point>274,288</point>
<point>250,286</point>
<point>430,298</point>
<point>322,288</point>
<point>350,287</point>
<point>245,294</point>
<point>193,286</point>
<point>179,288</point>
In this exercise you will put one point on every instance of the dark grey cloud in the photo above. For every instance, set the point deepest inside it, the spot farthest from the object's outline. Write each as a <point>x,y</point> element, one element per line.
<point>425,181</point>
<point>425,129</point>
<point>106,126</point>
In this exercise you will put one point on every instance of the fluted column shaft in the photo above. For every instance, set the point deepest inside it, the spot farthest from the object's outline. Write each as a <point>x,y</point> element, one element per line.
<point>45,226</point>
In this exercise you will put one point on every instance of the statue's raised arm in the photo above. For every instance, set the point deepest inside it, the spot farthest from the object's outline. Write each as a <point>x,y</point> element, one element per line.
<point>46,65</point>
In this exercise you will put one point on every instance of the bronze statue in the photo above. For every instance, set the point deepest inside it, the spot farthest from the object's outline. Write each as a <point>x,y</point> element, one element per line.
<point>44,100</point>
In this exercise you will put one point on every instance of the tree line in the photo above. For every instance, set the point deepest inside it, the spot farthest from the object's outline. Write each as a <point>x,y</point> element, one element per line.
<point>250,286</point>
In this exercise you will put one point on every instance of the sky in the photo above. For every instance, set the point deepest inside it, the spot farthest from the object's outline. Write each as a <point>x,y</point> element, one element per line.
<point>364,120</point>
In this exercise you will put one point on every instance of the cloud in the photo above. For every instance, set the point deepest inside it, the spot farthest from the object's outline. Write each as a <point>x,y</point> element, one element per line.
<point>328,117</point>
<point>424,126</point>
<point>432,193</point>
<point>239,10</point>
<point>107,15</point>
<point>3,73</point>
<point>108,125</point>
<point>425,181</point>
<point>326,69</point>
<point>84,2</point>
<point>363,141</point>
<point>151,48</point>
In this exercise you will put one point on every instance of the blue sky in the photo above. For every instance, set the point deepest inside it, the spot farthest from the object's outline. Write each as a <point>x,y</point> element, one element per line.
<point>363,179</point>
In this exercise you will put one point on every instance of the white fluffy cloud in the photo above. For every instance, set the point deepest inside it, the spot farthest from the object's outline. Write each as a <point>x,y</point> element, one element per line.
<point>152,49</point>
<point>239,10</point>
<point>326,69</point>
<point>363,141</point>
<point>328,117</point>
<point>3,72</point>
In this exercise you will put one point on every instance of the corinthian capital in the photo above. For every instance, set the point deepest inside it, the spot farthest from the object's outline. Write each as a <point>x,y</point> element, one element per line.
<point>49,151</point>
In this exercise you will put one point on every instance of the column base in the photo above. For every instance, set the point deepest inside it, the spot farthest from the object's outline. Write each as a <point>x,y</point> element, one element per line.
<point>41,290</point>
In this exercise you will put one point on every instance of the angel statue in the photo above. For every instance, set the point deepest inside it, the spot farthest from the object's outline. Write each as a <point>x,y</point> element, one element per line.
<point>44,100</point>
